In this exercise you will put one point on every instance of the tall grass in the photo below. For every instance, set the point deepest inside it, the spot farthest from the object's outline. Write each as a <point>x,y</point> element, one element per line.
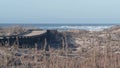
<point>62,58</point>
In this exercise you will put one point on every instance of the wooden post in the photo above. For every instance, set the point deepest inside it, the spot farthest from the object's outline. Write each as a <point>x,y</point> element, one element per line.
<point>17,42</point>
<point>45,44</point>
<point>63,44</point>
<point>35,53</point>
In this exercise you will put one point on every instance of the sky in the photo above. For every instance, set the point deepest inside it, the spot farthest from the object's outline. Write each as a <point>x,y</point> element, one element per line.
<point>60,11</point>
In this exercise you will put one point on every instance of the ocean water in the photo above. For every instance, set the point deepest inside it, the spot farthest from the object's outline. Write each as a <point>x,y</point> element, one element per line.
<point>90,27</point>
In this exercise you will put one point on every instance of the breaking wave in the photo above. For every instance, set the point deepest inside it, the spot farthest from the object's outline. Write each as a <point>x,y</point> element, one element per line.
<point>65,26</point>
<point>90,28</point>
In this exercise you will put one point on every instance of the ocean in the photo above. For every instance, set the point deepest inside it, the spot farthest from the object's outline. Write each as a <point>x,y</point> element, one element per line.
<point>90,27</point>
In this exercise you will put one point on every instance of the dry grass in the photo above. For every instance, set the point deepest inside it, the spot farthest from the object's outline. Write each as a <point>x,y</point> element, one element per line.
<point>42,60</point>
<point>99,56</point>
<point>12,30</point>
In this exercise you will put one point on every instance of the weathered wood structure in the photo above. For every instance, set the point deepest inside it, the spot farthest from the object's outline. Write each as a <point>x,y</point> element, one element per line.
<point>23,39</point>
<point>32,37</point>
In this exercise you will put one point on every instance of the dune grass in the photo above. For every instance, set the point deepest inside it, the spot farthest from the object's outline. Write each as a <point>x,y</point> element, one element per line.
<point>100,56</point>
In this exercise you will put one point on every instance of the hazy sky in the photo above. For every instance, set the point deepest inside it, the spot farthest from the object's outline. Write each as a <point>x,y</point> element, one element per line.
<point>60,11</point>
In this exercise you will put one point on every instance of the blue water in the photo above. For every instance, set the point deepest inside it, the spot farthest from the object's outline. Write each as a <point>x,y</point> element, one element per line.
<point>91,27</point>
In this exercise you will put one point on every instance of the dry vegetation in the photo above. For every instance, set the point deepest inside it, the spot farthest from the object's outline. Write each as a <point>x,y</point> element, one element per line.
<point>12,30</point>
<point>94,51</point>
